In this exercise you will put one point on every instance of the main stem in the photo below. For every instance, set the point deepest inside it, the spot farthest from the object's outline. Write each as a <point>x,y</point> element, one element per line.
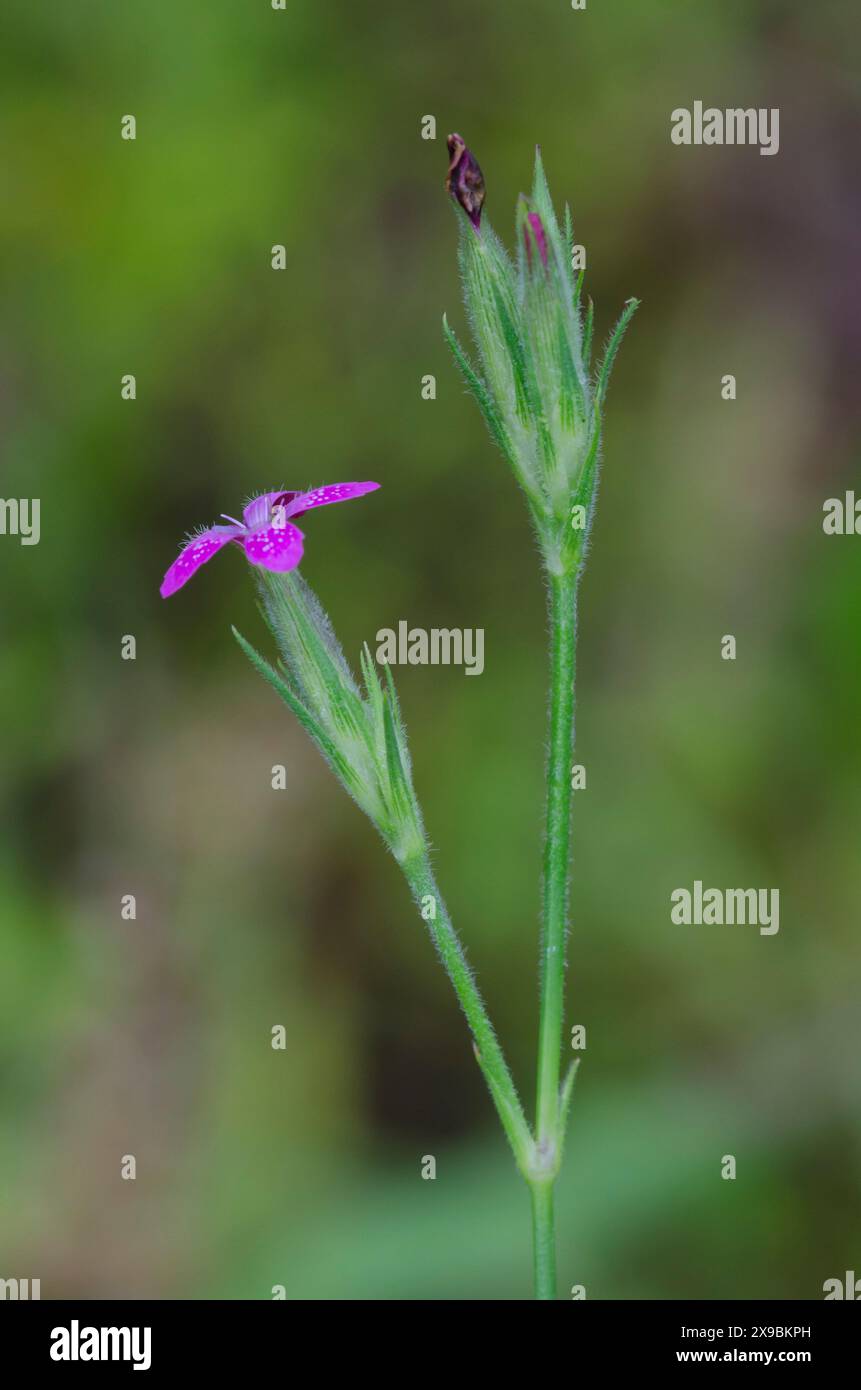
<point>557,859</point>
<point>538,1157</point>
<point>543,1240</point>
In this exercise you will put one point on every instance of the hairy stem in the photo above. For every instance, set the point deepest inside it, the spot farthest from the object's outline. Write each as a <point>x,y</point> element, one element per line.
<point>557,856</point>
<point>544,1239</point>
<point>557,852</point>
<point>419,875</point>
<point>538,1158</point>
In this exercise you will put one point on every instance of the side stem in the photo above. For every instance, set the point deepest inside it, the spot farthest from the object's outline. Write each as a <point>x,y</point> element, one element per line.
<point>420,877</point>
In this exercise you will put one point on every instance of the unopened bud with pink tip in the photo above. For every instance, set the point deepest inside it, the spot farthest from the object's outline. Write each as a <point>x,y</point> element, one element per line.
<point>535,233</point>
<point>534,381</point>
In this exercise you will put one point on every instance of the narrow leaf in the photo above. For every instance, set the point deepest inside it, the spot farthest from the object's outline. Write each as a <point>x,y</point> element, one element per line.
<point>372,681</point>
<point>565,1098</point>
<point>612,348</point>
<point>571,389</point>
<point>526,395</point>
<point>492,418</point>
<point>294,704</point>
<point>525,380</point>
<point>397,777</point>
<point>588,330</point>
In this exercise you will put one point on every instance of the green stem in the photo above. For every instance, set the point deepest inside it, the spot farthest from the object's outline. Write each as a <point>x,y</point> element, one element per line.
<point>544,1239</point>
<point>557,857</point>
<point>557,851</point>
<point>538,1159</point>
<point>419,875</point>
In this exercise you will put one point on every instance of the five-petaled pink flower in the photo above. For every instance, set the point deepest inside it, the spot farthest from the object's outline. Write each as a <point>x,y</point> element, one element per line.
<point>266,532</point>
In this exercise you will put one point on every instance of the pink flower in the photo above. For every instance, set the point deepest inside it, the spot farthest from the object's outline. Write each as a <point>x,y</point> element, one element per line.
<point>266,532</point>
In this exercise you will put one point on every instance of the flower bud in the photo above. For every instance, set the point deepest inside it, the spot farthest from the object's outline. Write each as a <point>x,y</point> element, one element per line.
<point>464,180</point>
<point>535,232</point>
<point>533,381</point>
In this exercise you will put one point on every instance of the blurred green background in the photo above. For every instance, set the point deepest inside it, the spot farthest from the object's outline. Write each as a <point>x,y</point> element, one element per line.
<point>255,907</point>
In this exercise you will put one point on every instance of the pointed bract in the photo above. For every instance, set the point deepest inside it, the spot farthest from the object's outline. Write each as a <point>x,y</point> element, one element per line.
<point>360,735</point>
<point>532,382</point>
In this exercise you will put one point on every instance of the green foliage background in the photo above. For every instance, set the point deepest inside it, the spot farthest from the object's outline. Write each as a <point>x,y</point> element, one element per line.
<point>152,777</point>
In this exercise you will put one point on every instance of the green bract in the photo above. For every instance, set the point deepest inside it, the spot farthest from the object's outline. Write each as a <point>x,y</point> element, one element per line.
<point>360,733</point>
<point>534,384</point>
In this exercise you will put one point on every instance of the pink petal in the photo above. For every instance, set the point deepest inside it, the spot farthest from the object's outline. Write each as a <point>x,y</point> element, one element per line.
<point>322,496</point>
<point>194,554</point>
<point>277,547</point>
